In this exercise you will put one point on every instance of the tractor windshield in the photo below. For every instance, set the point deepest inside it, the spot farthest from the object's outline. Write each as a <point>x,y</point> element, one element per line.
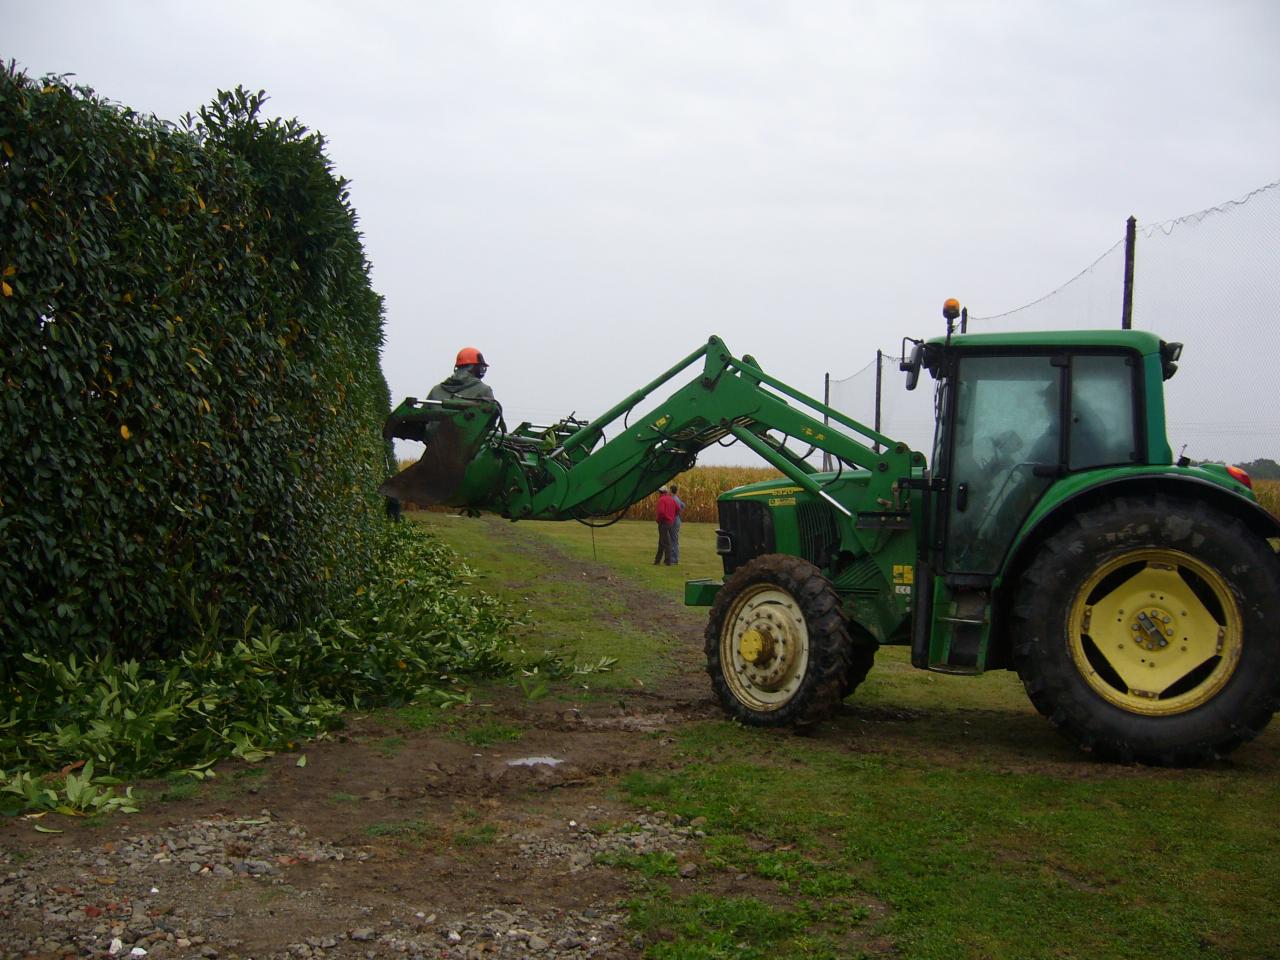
<point>1014,429</point>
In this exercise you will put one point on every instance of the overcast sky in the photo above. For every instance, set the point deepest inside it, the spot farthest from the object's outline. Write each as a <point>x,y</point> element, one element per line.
<point>587,190</point>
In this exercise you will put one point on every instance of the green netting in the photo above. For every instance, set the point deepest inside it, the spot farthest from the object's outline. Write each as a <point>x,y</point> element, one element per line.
<point>1210,280</point>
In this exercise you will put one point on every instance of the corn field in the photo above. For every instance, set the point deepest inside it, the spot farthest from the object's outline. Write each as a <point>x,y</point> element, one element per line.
<point>699,489</point>
<point>1268,492</point>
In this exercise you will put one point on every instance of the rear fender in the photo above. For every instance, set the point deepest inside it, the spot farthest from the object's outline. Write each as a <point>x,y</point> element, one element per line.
<point>1080,491</point>
<point>1068,498</point>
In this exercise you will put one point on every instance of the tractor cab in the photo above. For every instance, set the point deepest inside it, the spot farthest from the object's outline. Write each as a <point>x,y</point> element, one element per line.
<point>1018,414</point>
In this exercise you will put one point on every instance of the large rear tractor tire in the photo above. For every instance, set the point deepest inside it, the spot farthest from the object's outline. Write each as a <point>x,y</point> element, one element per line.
<point>1149,630</point>
<point>778,648</point>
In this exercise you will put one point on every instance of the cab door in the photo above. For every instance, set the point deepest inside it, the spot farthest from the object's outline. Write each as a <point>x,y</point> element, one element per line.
<point>1006,450</point>
<point>999,447</point>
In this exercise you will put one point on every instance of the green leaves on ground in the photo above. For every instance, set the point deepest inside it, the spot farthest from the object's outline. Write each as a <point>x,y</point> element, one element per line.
<point>410,633</point>
<point>77,794</point>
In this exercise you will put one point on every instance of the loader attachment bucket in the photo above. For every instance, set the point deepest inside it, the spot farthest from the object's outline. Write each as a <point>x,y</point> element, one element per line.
<point>454,431</point>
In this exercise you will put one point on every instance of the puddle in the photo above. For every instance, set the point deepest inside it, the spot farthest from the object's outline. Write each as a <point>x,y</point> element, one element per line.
<point>534,761</point>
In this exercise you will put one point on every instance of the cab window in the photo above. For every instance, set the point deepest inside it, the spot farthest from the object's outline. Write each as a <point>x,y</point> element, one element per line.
<point>1103,428</point>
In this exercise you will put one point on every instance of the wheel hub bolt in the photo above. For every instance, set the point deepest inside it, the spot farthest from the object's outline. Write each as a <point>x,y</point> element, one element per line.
<point>1152,628</point>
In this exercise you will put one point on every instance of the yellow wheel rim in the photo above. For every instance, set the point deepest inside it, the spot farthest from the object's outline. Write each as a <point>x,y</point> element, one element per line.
<point>1155,632</point>
<point>764,647</point>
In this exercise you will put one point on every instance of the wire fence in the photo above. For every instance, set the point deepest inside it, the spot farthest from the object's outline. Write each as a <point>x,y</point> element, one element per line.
<point>1210,280</point>
<point>903,415</point>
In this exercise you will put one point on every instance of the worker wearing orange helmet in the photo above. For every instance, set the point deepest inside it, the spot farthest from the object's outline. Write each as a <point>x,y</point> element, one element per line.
<point>466,381</point>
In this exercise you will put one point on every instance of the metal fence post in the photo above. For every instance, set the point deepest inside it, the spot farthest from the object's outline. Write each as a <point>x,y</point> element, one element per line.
<point>879,356</point>
<point>826,419</point>
<point>1130,241</point>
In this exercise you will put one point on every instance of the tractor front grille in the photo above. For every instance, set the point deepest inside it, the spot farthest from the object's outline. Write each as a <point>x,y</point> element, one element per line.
<point>819,538</point>
<point>746,532</point>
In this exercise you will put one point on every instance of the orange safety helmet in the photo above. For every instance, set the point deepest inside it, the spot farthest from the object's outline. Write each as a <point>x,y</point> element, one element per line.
<point>469,357</point>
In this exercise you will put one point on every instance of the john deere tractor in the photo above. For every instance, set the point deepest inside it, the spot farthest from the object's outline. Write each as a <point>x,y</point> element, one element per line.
<point>1050,532</point>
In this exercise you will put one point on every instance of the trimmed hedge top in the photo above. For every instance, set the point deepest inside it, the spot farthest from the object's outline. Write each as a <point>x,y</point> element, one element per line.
<point>190,390</point>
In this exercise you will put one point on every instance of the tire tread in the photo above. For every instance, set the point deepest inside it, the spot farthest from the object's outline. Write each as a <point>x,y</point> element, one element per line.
<point>837,662</point>
<point>1059,693</point>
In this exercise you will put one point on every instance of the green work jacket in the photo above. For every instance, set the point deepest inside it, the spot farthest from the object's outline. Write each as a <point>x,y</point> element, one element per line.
<point>463,385</point>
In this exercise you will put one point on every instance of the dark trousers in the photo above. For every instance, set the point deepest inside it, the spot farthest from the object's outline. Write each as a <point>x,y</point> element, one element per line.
<point>664,544</point>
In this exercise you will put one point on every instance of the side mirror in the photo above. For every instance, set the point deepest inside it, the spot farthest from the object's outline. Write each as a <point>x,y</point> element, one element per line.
<point>1170,353</point>
<point>912,364</point>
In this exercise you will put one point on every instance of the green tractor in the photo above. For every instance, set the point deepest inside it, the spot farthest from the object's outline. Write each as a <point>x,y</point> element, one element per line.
<point>1051,532</point>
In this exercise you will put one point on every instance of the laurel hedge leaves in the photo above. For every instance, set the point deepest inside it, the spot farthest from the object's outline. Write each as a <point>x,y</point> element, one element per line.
<point>412,632</point>
<point>190,389</point>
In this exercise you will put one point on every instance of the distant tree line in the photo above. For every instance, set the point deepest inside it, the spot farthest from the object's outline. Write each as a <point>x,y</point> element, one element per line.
<point>1262,469</point>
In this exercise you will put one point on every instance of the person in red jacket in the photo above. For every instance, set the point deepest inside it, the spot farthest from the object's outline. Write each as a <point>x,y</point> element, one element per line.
<point>666,520</point>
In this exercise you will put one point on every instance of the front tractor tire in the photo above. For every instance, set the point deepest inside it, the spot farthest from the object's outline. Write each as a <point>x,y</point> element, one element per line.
<point>1148,630</point>
<point>778,649</point>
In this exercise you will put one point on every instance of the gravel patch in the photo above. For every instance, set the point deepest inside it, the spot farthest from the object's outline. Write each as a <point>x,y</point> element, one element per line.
<point>581,844</point>
<point>116,898</point>
<point>149,895</point>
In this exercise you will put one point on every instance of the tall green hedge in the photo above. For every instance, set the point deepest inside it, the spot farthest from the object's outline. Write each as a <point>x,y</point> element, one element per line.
<point>190,389</point>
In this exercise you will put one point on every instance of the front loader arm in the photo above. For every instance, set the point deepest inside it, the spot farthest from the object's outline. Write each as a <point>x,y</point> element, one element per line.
<point>574,471</point>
